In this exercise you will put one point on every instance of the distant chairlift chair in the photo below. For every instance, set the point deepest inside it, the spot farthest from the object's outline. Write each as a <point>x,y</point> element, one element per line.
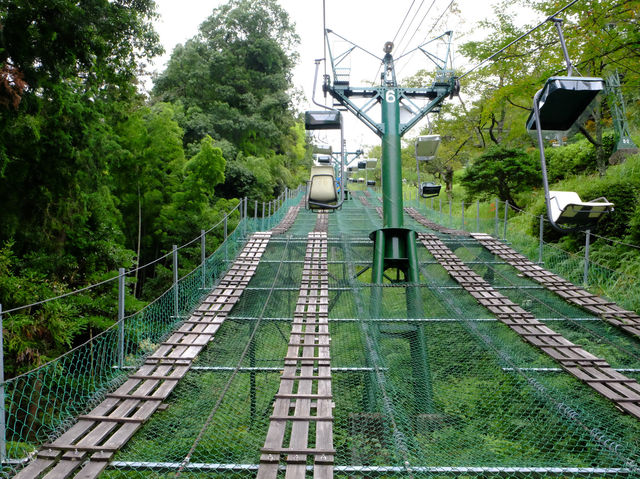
<point>557,108</point>
<point>322,193</point>
<point>426,148</point>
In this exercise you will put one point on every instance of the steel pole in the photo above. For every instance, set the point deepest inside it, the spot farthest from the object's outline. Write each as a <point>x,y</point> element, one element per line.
<point>477,215</point>
<point>262,224</point>
<point>121,278</point>
<point>175,282</point>
<point>462,206</point>
<point>541,241</point>
<point>3,424</point>
<point>506,218</point>
<point>585,275</point>
<point>203,254</point>
<point>392,205</point>
<point>497,220</point>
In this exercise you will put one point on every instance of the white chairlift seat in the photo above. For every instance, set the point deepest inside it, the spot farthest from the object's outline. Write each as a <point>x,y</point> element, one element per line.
<point>426,147</point>
<point>322,187</point>
<point>568,209</point>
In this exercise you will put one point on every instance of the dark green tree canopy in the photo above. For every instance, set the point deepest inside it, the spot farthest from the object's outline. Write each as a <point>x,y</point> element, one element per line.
<point>502,172</point>
<point>233,77</point>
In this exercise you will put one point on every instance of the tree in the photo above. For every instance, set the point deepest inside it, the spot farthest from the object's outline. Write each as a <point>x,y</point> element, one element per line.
<point>233,77</point>
<point>501,172</point>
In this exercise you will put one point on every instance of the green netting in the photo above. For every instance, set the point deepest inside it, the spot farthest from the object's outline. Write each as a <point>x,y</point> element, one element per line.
<point>425,381</point>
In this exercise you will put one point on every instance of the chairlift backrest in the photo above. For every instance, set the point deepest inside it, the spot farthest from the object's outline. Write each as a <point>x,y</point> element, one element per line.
<point>323,159</point>
<point>362,165</point>
<point>322,188</point>
<point>426,147</point>
<point>372,163</point>
<point>429,189</point>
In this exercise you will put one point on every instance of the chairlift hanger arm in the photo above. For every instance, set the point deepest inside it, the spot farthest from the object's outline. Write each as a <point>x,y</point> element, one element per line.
<point>328,31</point>
<point>420,47</point>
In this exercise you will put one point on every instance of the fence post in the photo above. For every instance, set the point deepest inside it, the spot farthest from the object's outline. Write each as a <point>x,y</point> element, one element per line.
<point>440,206</point>
<point>225,238</point>
<point>121,278</point>
<point>450,216</point>
<point>175,281</point>
<point>506,218</point>
<point>3,425</point>
<point>269,209</point>
<point>431,203</point>
<point>462,204</point>
<point>262,223</point>
<point>255,211</point>
<point>244,228</point>
<point>541,240</point>
<point>477,215</point>
<point>203,254</point>
<point>585,276</point>
<point>496,218</point>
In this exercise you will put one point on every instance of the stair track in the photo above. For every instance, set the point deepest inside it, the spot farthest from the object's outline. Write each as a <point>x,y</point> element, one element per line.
<point>307,368</point>
<point>91,443</point>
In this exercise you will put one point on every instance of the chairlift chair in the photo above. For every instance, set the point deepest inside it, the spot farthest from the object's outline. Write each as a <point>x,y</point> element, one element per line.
<point>362,165</point>
<point>559,107</point>
<point>371,182</point>
<point>323,159</point>
<point>322,192</point>
<point>426,148</point>
<point>429,189</point>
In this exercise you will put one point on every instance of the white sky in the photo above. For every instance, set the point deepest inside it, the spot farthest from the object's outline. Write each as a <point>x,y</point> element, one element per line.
<point>368,23</point>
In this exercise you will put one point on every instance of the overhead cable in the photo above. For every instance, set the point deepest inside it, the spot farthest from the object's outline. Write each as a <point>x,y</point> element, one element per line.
<point>517,39</point>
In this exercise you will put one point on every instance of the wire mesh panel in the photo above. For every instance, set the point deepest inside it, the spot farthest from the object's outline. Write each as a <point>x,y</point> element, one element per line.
<point>425,380</point>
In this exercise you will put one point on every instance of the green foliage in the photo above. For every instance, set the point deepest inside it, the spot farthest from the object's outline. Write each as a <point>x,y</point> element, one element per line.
<point>233,77</point>
<point>501,172</point>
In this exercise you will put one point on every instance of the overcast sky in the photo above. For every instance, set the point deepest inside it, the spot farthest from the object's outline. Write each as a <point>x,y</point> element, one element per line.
<point>368,23</point>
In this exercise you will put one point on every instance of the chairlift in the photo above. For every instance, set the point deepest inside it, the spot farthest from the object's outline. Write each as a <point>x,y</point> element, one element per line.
<point>558,108</point>
<point>429,189</point>
<point>323,159</point>
<point>322,192</point>
<point>371,182</point>
<point>426,148</point>
<point>322,120</point>
<point>362,165</point>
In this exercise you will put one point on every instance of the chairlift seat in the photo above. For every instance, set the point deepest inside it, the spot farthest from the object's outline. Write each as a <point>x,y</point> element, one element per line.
<point>563,101</point>
<point>426,147</point>
<point>362,165</point>
<point>429,189</point>
<point>322,188</point>
<point>372,163</point>
<point>371,182</point>
<point>323,159</point>
<point>568,209</point>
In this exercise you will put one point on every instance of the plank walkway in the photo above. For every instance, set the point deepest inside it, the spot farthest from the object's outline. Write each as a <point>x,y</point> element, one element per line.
<point>302,422</point>
<point>434,226</point>
<point>287,221</point>
<point>322,223</point>
<point>624,392</point>
<point>610,312</point>
<point>87,447</point>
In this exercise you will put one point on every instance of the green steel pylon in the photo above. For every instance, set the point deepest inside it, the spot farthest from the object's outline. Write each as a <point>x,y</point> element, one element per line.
<point>624,144</point>
<point>395,245</point>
